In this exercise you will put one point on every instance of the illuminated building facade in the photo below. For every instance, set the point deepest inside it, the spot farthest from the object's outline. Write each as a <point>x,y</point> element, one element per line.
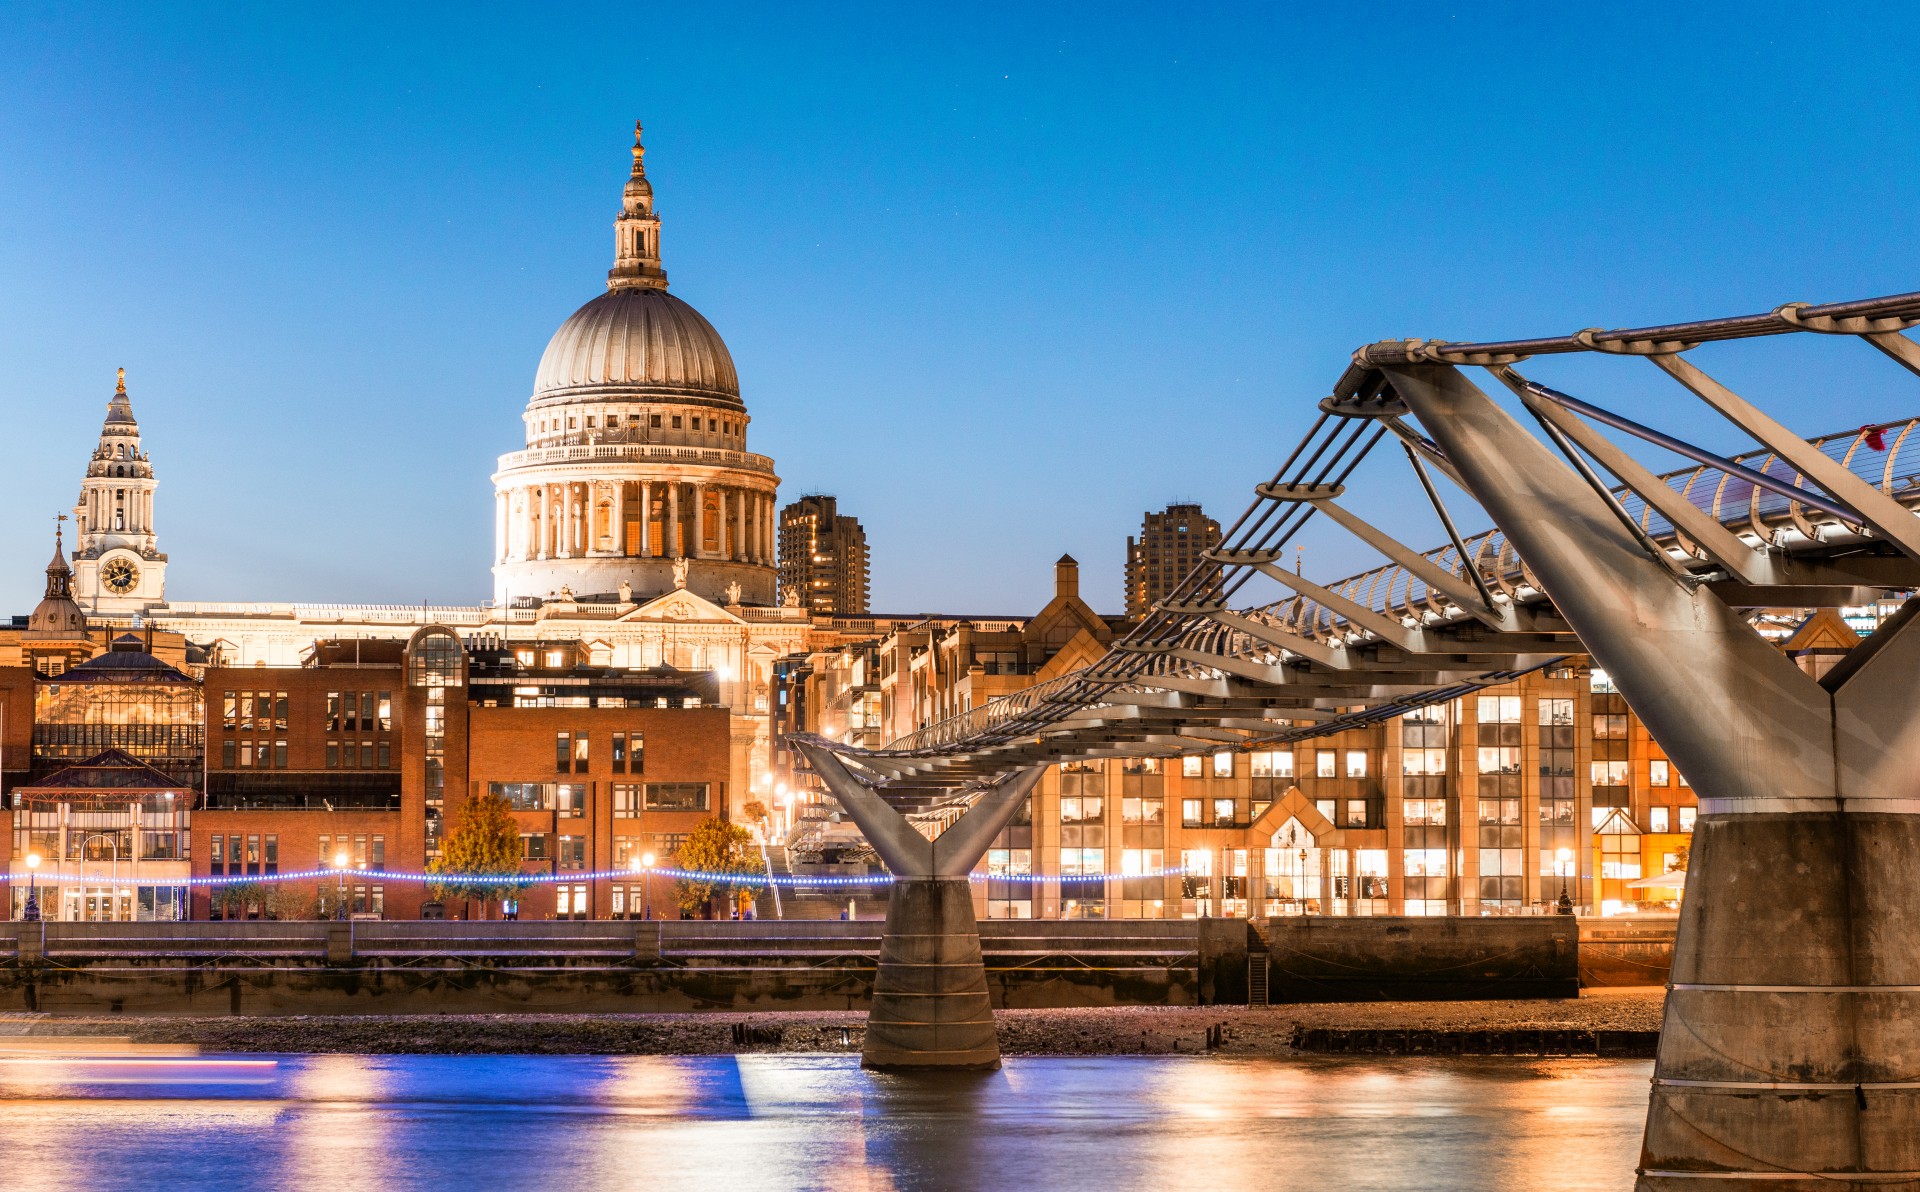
<point>823,558</point>
<point>1170,545</point>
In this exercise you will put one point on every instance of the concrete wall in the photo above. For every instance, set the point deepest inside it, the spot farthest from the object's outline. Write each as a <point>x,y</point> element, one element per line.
<point>398,967</point>
<point>1394,958</point>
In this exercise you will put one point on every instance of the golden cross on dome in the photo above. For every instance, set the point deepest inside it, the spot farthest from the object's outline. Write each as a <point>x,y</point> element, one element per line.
<point>121,385</point>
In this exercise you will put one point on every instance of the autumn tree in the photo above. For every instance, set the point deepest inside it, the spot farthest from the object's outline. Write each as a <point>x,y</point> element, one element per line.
<point>718,848</point>
<point>483,842</point>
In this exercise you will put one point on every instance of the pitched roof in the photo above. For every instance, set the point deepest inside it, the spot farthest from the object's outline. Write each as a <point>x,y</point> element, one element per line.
<point>110,769</point>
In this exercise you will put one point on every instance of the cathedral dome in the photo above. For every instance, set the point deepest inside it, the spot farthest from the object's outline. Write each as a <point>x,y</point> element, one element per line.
<point>58,615</point>
<point>637,341</point>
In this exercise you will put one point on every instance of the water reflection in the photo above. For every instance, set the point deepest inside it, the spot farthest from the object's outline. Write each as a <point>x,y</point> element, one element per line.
<point>784,1122</point>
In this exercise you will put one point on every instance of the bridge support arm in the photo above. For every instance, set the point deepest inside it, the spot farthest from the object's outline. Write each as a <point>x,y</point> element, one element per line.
<point>931,1006</point>
<point>1790,1051</point>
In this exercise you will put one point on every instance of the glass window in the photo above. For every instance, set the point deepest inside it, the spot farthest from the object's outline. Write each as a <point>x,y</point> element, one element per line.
<point>1190,766</point>
<point>1356,813</point>
<point>1223,765</point>
<point>1326,764</point>
<point>1356,763</point>
<point>676,796</point>
<point>1499,709</point>
<point>563,752</point>
<point>1657,819</point>
<point>1609,773</point>
<point>1190,813</point>
<point>626,800</point>
<point>1658,773</point>
<point>1686,818</point>
<point>386,711</point>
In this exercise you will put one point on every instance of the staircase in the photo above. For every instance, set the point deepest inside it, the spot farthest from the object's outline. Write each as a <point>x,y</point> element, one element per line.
<point>1258,963</point>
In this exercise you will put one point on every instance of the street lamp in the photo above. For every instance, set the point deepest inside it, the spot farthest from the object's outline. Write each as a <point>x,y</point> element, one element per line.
<point>646,863</point>
<point>31,912</point>
<point>340,867</point>
<point>1563,861</point>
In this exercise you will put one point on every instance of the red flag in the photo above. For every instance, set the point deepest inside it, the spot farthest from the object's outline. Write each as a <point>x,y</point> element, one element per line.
<point>1873,437</point>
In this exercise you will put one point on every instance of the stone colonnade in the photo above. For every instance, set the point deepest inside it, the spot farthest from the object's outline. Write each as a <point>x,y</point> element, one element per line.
<point>644,519</point>
<point>136,504</point>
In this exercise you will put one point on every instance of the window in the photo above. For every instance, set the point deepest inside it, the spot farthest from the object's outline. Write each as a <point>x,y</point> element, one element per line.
<point>1686,818</point>
<point>1326,764</point>
<point>333,755</point>
<point>1658,772</point>
<point>386,711</point>
<point>229,710</point>
<point>1277,764</point>
<point>1356,763</point>
<point>1610,726</point>
<point>1190,766</point>
<point>385,749</point>
<point>1190,813</point>
<point>1223,765</point>
<point>227,754</point>
<point>1498,709</point>
<point>533,846</point>
<point>1609,773</point>
<point>572,853</point>
<point>618,755</point>
<point>570,799</point>
<point>524,796</point>
<point>1658,819</point>
<point>626,800</point>
<point>563,752</point>
<point>653,420</point>
<point>676,796</point>
<point>1223,813</point>
<point>1356,813</point>
<point>580,753</point>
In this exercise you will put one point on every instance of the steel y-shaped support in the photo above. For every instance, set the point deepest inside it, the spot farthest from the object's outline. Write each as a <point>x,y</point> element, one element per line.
<point>930,1005</point>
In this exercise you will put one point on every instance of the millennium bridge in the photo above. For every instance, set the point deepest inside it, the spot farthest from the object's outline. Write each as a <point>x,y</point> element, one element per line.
<point>1790,1052</point>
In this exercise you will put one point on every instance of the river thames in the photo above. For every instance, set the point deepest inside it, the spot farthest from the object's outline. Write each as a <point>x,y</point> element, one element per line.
<point>346,1123</point>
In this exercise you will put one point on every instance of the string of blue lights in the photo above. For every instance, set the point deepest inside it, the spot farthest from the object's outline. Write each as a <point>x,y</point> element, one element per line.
<point>515,880</point>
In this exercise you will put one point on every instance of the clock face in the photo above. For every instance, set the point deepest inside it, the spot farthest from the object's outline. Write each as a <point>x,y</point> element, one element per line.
<point>120,575</point>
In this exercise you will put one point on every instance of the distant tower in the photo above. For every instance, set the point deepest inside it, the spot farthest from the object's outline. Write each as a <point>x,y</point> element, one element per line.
<point>823,557</point>
<point>117,565</point>
<point>1169,546</point>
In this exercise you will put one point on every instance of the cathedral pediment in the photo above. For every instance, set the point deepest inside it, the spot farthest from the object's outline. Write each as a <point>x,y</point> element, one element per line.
<point>682,605</point>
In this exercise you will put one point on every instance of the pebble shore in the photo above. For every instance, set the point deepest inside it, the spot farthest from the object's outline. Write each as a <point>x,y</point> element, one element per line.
<point>1127,1030</point>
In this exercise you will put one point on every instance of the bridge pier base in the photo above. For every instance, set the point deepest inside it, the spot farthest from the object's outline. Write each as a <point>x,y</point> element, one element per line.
<point>930,1003</point>
<point>1790,1051</point>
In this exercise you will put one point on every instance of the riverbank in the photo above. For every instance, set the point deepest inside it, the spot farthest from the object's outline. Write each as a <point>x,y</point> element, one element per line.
<point>1158,1030</point>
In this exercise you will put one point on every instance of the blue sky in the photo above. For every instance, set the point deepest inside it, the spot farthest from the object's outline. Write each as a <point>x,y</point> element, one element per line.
<point>1001,277</point>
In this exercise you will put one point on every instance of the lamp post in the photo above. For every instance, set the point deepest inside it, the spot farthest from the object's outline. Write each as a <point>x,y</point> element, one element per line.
<point>646,863</point>
<point>31,912</point>
<point>340,868</point>
<point>1563,861</point>
<point>1300,888</point>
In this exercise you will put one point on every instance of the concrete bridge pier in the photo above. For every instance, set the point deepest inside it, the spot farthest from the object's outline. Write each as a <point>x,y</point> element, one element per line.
<point>1790,1053</point>
<point>930,1005</point>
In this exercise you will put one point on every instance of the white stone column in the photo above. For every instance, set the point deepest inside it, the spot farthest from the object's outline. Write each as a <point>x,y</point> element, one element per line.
<point>499,527</point>
<point>676,540</point>
<point>721,545</point>
<point>767,545</point>
<point>620,518</point>
<point>646,518</point>
<point>738,553</point>
<point>699,521</point>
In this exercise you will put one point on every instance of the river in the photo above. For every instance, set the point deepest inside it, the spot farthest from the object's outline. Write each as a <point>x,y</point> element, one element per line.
<point>386,1123</point>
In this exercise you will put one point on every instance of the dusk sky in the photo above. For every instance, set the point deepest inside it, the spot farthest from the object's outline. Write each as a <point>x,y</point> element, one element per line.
<point>1000,277</point>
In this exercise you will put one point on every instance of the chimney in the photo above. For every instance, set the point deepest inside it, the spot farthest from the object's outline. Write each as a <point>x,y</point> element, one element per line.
<point>1066,578</point>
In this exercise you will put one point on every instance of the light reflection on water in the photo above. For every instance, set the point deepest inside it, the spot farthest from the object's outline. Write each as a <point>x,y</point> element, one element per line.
<point>347,1123</point>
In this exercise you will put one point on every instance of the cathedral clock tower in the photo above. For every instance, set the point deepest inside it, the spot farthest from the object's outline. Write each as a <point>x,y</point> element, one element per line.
<point>117,567</point>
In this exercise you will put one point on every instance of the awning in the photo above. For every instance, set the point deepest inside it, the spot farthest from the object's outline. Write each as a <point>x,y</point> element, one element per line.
<point>1677,880</point>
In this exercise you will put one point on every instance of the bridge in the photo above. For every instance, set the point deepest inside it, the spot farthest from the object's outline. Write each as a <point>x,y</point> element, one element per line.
<point>1792,1035</point>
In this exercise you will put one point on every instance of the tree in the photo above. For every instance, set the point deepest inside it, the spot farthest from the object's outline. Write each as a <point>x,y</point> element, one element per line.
<point>715,847</point>
<point>483,842</point>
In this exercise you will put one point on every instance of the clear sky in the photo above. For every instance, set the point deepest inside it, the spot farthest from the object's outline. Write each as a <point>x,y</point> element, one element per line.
<point>1001,277</point>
